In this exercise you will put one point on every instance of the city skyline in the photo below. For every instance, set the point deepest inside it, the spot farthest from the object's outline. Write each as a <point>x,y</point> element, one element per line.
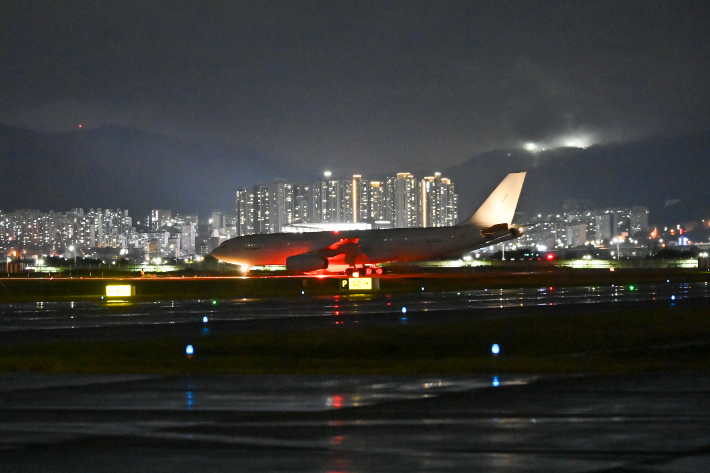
<point>136,105</point>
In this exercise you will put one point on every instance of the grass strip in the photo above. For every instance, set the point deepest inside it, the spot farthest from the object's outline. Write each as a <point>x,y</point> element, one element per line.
<point>615,342</point>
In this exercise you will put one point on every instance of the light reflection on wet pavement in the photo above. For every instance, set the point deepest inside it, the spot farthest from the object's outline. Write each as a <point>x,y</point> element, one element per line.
<point>642,423</point>
<point>105,423</point>
<point>70,315</point>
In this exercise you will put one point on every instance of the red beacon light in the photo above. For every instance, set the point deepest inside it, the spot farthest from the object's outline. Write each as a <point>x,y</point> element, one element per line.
<point>550,256</point>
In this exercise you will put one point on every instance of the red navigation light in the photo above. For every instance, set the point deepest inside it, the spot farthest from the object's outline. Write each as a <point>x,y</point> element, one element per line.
<point>550,256</point>
<point>336,402</point>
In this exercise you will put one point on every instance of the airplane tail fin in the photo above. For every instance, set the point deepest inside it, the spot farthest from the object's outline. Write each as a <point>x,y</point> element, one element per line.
<point>499,207</point>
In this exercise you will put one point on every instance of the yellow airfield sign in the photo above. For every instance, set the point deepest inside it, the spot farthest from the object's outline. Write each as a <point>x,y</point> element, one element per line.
<point>359,284</point>
<point>120,291</point>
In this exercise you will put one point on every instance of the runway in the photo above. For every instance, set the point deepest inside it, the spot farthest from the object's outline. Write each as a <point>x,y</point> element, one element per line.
<point>124,318</point>
<point>648,422</point>
<point>643,423</point>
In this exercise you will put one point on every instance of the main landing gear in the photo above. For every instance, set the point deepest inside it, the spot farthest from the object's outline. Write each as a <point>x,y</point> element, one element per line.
<point>364,271</point>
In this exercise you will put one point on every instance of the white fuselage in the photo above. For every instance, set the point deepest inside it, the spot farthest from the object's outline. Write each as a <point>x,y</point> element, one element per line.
<point>368,246</point>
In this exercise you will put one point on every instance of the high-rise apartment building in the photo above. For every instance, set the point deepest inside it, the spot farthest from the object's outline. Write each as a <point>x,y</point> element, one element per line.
<point>245,212</point>
<point>262,209</point>
<point>159,218</point>
<point>406,202</point>
<point>302,204</point>
<point>281,205</point>
<point>330,201</point>
<point>377,201</point>
<point>361,199</point>
<point>439,202</point>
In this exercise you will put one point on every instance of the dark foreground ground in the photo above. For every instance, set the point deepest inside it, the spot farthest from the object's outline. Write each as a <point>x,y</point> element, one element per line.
<point>657,422</point>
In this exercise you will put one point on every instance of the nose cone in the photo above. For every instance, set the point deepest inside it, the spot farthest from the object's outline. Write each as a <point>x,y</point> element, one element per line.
<point>219,253</point>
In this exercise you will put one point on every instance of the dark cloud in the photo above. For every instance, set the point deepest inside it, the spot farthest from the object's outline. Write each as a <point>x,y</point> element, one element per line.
<point>360,86</point>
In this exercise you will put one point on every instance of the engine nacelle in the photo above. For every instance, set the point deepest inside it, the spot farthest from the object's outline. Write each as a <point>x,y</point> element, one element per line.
<point>306,262</point>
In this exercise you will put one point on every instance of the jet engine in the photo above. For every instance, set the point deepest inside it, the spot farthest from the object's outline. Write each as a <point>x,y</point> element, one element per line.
<point>306,262</point>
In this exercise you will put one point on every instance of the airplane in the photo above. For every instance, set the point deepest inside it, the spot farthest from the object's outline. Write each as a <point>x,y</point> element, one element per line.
<point>318,251</point>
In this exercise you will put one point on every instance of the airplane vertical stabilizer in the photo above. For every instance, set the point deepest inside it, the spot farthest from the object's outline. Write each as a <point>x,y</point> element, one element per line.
<point>499,207</point>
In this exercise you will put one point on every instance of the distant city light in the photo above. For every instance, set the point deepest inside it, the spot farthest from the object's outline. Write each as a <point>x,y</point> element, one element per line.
<point>327,174</point>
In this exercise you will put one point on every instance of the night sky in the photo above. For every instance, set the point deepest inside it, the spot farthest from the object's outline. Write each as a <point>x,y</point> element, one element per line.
<point>360,86</point>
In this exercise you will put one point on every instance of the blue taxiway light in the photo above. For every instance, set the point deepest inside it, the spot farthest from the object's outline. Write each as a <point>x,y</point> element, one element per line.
<point>189,350</point>
<point>496,382</point>
<point>495,349</point>
<point>205,319</point>
<point>404,310</point>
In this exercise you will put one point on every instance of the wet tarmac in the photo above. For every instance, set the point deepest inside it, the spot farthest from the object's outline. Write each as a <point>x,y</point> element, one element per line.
<point>119,318</point>
<point>656,422</point>
<point>643,423</point>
